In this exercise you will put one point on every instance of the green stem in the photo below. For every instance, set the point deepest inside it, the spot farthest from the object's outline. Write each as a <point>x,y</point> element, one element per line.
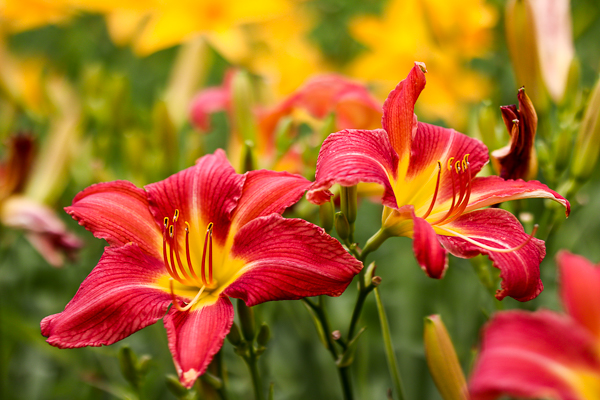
<point>344,373</point>
<point>373,243</point>
<point>252,363</point>
<point>220,366</point>
<point>360,301</point>
<point>389,348</point>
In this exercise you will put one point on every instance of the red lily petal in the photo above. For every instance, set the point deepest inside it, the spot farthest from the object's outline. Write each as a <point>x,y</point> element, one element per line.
<point>399,120</point>
<point>288,259</point>
<point>432,143</point>
<point>206,192</point>
<point>490,190</point>
<point>210,101</point>
<point>580,284</point>
<point>534,355</point>
<point>352,156</point>
<point>117,298</point>
<point>498,228</point>
<point>118,212</point>
<point>196,336</point>
<point>266,192</point>
<point>429,252</point>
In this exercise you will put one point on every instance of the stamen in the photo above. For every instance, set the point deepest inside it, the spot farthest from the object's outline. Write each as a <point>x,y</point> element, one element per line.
<point>450,163</point>
<point>175,248</point>
<point>170,268</point>
<point>190,304</point>
<point>493,249</point>
<point>210,254</point>
<point>453,194</point>
<point>206,237</point>
<point>187,252</point>
<point>437,186</point>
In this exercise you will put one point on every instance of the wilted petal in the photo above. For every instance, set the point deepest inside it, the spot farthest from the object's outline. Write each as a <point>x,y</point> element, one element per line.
<point>399,120</point>
<point>352,156</point>
<point>118,212</point>
<point>289,259</point>
<point>15,169</point>
<point>490,190</point>
<point>119,297</point>
<point>266,192</point>
<point>46,232</point>
<point>535,355</point>
<point>580,290</point>
<point>196,336</point>
<point>517,159</point>
<point>497,228</point>
<point>207,192</point>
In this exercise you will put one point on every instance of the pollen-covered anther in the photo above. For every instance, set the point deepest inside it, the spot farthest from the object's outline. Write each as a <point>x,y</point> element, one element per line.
<point>459,204</point>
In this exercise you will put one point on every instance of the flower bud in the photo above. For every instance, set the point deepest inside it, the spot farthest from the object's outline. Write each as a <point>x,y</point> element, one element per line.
<point>264,335</point>
<point>128,364</point>
<point>587,144</point>
<point>248,161</point>
<point>243,102</point>
<point>348,202</point>
<point>370,273</point>
<point>234,336</point>
<point>326,211</point>
<point>442,360</point>
<point>341,225</point>
<point>246,315</point>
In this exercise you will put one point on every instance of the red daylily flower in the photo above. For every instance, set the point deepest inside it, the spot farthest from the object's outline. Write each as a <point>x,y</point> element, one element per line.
<point>350,102</point>
<point>42,227</point>
<point>195,239</point>
<point>545,354</point>
<point>431,193</point>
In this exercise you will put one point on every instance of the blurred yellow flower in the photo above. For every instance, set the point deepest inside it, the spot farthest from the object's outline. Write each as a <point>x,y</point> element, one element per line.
<point>21,15</point>
<point>442,34</point>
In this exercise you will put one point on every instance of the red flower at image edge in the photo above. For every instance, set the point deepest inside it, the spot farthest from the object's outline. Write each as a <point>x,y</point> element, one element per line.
<point>193,240</point>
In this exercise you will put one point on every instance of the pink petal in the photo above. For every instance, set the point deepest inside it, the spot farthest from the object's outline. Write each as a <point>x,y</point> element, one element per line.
<point>118,212</point>
<point>266,192</point>
<point>429,252</point>
<point>117,299</point>
<point>494,227</point>
<point>399,120</point>
<point>289,259</point>
<point>352,156</point>
<point>493,189</point>
<point>580,290</point>
<point>534,355</point>
<point>208,102</point>
<point>46,232</point>
<point>207,192</point>
<point>196,336</point>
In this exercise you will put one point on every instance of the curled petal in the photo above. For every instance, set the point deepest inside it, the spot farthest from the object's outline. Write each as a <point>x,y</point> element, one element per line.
<point>399,120</point>
<point>196,336</point>
<point>117,212</point>
<point>580,290</point>
<point>352,156</point>
<point>287,259</point>
<point>490,190</point>
<point>497,228</point>
<point>119,297</point>
<point>207,192</point>
<point>15,170</point>
<point>207,102</point>
<point>535,355</point>
<point>266,192</point>
<point>429,252</point>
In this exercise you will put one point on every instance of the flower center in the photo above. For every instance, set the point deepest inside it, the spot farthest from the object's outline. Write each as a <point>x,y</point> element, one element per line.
<point>184,272</point>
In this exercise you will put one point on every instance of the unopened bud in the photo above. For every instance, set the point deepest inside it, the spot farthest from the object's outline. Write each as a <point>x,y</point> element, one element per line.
<point>326,211</point>
<point>370,273</point>
<point>341,225</point>
<point>248,162</point>
<point>376,281</point>
<point>442,360</point>
<point>243,105</point>
<point>234,336</point>
<point>587,144</point>
<point>348,202</point>
<point>128,364</point>
<point>264,335</point>
<point>246,315</point>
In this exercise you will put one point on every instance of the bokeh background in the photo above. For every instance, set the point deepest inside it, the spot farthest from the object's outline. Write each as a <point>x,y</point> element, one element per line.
<point>105,87</point>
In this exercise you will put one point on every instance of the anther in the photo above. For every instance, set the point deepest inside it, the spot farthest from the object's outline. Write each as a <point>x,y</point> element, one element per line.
<point>166,222</point>
<point>450,163</point>
<point>176,216</point>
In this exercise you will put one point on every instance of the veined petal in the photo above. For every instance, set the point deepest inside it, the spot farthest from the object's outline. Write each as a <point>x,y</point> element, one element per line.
<point>580,290</point>
<point>118,212</point>
<point>535,355</point>
<point>490,190</point>
<point>399,119</point>
<point>288,259</point>
<point>196,336</point>
<point>266,192</point>
<point>207,192</point>
<point>119,297</point>
<point>429,252</point>
<point>494,227</point>
<point>352,156</point>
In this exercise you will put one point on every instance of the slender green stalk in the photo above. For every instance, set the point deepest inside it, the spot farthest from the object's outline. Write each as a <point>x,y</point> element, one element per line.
<point>252,363</point>
<point>389,348</point>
